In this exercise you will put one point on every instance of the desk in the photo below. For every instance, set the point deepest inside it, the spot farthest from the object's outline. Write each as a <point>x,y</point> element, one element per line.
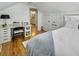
<point>18,31</point>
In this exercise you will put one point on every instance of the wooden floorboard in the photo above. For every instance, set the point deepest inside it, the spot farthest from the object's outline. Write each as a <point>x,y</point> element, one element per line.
<point>15,47</point>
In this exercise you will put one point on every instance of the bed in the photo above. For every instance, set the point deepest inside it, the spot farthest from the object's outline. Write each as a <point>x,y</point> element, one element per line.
<point>66,42</point>
<point>60,42</point>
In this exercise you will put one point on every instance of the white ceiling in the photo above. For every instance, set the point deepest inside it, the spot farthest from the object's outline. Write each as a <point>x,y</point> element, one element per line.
<point>48,7</point>
<point>4,5</point>
<point>57,6</point>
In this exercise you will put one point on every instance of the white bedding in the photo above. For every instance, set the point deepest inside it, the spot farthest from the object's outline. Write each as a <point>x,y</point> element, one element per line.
<point>66,41</point>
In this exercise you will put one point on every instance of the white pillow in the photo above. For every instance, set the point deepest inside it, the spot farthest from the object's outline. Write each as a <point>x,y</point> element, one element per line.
<point>72,24</point>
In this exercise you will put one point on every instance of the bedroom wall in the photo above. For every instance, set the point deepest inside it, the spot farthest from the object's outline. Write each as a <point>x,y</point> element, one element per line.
<point>40,18</point>
<point>20,12</point>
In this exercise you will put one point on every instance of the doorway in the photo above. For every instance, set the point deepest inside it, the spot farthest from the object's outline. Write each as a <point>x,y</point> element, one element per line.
<point>34,21</point>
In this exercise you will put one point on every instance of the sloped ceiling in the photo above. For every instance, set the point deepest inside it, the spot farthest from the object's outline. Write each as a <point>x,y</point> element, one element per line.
<point>57,6</point>
<point>4,5</point>
<point>47,7</point>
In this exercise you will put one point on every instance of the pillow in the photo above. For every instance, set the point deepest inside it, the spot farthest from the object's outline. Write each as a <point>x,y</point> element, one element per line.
<point>72,24</point>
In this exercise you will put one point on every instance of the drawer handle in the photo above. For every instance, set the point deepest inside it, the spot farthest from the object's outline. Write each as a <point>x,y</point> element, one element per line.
<point>5,36</point>
<point>5,39</point>
<point>5,33</point>
<point>4,29</point>
<point>54,24</point>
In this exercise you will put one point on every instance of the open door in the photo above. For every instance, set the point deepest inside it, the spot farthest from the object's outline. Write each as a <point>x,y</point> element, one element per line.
<point>34,21</point>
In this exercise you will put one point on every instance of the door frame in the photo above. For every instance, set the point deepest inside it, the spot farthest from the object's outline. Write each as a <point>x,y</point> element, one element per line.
<point>34,9</point>
<point>35,20</point>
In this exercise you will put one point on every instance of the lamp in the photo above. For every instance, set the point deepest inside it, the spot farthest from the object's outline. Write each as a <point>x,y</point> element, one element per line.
<point>5,16</point>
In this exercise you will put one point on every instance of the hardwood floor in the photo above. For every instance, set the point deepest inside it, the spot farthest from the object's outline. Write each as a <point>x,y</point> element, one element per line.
<point>15,47</point>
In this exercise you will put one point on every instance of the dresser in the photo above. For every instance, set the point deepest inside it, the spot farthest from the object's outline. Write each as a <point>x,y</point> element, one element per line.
<point>5,34</point>
<point>52,22</point>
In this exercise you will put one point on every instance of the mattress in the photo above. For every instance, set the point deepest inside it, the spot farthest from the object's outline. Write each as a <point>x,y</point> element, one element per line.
<point>66,41</point>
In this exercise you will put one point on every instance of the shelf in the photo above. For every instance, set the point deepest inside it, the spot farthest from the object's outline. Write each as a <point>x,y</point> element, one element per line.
<point>27,30</point>
<point>17,31</point>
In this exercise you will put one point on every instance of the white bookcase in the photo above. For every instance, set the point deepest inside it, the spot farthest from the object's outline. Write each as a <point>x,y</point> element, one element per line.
<point>27,29</point>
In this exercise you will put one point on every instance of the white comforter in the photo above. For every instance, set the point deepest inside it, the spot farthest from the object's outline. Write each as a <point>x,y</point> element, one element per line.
<point>66,41</point>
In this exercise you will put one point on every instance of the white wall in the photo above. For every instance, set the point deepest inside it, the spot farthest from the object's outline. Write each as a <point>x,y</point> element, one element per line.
<point>40,18</point>
<point>18,12</point>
